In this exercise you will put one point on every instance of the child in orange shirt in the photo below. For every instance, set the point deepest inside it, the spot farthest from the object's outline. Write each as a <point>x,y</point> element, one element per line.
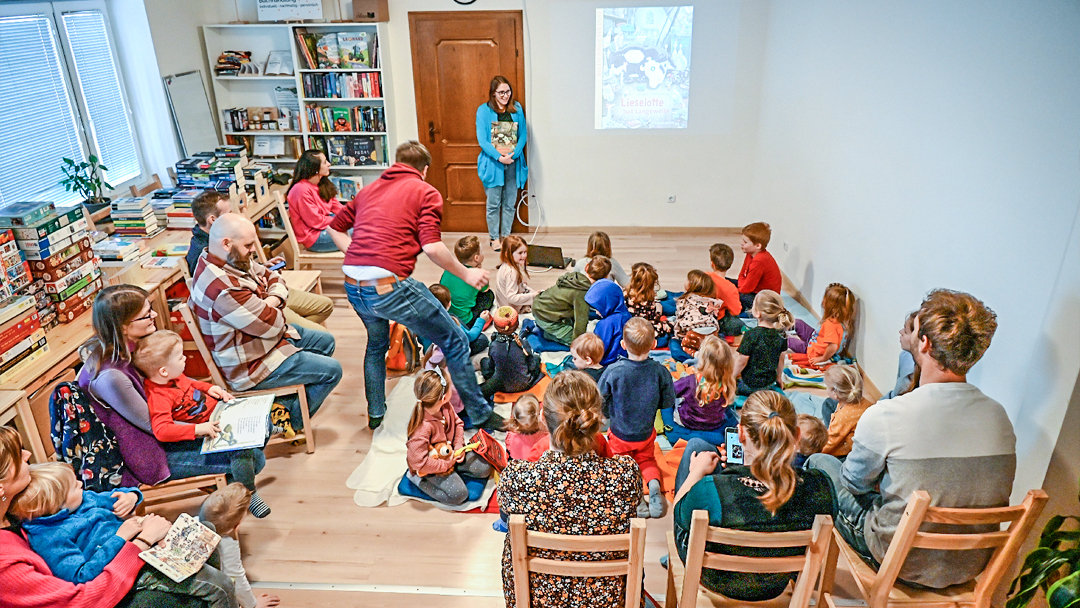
<point>722,257</point>
<point>820,348</point>
<point>844,386</point>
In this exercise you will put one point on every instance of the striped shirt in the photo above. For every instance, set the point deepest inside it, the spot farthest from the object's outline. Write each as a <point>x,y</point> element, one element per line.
<point>246,336</point>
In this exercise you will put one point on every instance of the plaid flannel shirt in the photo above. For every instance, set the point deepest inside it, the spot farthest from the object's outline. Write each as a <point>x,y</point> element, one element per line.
<point>246,336</point>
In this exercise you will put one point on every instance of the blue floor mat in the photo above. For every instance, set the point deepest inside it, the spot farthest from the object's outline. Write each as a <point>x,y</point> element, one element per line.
<point>476,489</point>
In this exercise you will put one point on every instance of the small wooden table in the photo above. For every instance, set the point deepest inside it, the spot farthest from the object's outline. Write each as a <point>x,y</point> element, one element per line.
<point>15,406</point>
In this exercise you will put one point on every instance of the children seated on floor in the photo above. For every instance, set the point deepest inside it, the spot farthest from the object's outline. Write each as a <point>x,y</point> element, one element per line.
<point>759,270</point>
<point>511,365</point>
<point>600,245</point>
<point>641,301</point>
<point>844,387</point>
<point>511,278</point>
<point>435,435</point>
<point>907,371</point>
<point>697,314</point>
<point>586,351</point>
<point>633,389</point>
<point>760,360</point>
<point>820,348</point>
<point>561,311</point>
<point>812,438</point>
<point>706,398</point>
<point>606,298</point>
<point>181,408</point>
<point>474,332</point>
<point>226,509</point>
<point>721,257</point>
<point>467,302</point>
<point>525,427</point>
<point>78,533</point>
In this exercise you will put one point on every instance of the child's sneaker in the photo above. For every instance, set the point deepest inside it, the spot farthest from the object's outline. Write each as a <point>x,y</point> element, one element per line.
<point>500,526</point>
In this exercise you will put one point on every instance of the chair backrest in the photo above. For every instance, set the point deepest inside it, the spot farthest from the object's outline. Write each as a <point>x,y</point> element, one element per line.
<point>200,343</point>
<point>1006,543</point>
<point>816,540</point>
<point>633,542</point>
<point>155,184</point>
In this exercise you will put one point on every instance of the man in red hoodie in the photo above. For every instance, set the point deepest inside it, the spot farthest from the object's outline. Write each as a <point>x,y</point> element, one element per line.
<point>393,220</point>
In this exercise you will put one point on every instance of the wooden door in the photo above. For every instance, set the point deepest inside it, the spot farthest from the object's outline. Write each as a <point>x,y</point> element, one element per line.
<point>455,56</point>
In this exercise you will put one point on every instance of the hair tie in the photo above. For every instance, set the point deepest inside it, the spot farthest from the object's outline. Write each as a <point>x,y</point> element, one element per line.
<point>773,414</point>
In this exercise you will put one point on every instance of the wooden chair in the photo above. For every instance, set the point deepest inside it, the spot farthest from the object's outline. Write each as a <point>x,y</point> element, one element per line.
<point>173,177</point>
<point>155,184</point>
<point>179,489</point>
<point>880,589</point>
<point>683,580</point>
<point>301,256</point>
<point>633,542</point>
<point>307,434</point>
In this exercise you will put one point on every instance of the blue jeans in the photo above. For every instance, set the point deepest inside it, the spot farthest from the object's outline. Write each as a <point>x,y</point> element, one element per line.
<point>313,366</point>
<point>186,459</point>
<point>323,244</point>
<point>410,303</point>
<point>851,516</point>
<point>677,351</point>
<point>693,446</point>
<point>501,204</point>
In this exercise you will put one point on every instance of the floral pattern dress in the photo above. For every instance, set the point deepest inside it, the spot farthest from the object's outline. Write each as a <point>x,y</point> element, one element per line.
<point>580,495</point>
<point>650,311</point>
<point>693,310</point>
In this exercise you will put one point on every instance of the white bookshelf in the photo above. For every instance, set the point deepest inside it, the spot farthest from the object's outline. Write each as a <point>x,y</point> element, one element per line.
<point>260,90</point>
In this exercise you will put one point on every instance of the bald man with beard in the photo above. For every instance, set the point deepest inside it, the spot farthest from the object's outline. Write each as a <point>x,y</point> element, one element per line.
<point>239,304</point>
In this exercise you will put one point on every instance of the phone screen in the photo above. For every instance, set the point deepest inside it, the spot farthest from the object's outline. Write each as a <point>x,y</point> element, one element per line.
<point>732,446</point>
<point>277,266</point>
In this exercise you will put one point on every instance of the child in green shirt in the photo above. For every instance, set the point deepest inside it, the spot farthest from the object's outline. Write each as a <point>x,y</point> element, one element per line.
<point>467,302</point>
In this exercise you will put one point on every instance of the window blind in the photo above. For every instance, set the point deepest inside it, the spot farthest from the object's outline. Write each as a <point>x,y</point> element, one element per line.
<point>37,121</point>
<point>99,83</point>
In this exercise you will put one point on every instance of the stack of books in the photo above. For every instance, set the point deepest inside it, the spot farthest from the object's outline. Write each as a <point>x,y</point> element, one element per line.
<point>134,217</point>
<point>162,203</point>
<point>205,170</point>
<point>350,151</point>
<point>117,249</point>
<point>22,338</point>
<point>181,216</point>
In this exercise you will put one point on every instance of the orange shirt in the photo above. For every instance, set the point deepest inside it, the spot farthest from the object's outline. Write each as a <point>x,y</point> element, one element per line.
<point>727,293</point>
<point>831,332</point>
<point>842,428</point>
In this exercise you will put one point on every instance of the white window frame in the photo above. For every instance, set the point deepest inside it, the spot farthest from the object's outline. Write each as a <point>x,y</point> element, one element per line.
<point>54,12</point>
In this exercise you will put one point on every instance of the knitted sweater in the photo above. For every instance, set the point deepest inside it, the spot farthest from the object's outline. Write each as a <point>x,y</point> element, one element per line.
<point>435,428</point>
<point>632,392</point>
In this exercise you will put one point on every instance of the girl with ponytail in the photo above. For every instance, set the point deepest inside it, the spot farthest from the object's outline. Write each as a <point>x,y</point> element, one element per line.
<point>708,395</point>
<point>571,490</point>
<point>760,360</point>
<point>435,436</point>
<point>765,494</point>
<point>821,348</point>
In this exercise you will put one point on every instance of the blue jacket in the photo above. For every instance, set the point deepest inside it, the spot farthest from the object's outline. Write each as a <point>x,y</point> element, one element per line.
<point>487,164</point>
<point>77,546</point>
<point>606,298</point>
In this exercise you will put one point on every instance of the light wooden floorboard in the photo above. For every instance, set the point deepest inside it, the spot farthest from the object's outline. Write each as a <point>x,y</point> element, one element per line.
<point>316,534</point>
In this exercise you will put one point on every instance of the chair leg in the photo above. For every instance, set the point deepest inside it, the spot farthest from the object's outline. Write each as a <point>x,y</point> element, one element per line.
<point>671,600</point>
<point>828,571</point>
<point>309,431</point>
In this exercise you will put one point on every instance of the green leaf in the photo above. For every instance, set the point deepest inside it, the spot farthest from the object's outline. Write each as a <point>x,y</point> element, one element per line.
<point>93,159</point>
<point>68,161</point>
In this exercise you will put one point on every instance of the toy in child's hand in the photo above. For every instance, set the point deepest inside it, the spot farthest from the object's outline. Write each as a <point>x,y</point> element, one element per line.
<point>279,416</point>
<point>469,447</point>
<point>441,450</point>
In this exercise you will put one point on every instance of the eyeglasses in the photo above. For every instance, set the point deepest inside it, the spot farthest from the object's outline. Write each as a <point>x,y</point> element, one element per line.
<point>503,92</point>
<point>148,316</point>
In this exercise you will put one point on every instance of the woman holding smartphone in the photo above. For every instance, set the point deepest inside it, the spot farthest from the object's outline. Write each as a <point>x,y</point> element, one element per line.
<point>764,493</point>
<point>501,133</point>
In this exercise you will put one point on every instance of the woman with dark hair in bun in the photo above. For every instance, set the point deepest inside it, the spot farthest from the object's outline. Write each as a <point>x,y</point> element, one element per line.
<point>571,490</point>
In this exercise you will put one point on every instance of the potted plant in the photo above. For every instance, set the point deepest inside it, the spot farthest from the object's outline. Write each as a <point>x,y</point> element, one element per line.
<point>1053,566</point>
<point>87,178</point>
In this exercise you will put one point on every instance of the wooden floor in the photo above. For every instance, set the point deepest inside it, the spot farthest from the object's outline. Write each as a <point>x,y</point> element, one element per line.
<point>352,556</point>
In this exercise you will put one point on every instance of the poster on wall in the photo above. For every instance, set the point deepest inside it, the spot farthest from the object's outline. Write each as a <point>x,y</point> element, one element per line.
<point>281,10</point>
<point>643,67</point>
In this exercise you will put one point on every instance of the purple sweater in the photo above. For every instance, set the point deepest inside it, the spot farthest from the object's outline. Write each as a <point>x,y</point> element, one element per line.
<point>694,415</point>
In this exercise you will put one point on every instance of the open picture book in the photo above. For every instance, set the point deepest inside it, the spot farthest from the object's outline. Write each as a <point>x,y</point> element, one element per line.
<point>243,423</point>
<point>184,549</point>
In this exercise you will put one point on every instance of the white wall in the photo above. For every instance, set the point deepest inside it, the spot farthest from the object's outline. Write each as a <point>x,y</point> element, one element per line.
<point>911,145</point>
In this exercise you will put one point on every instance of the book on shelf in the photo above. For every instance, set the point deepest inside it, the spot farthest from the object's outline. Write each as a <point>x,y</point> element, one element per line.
<point>354,150</point>
<point>335,85</point>
<point>347,187</point>
<point>327,52</point>
<point>307,43</point>
<point>184,550</point>
<point>279,63</point>
<point>353,49</point>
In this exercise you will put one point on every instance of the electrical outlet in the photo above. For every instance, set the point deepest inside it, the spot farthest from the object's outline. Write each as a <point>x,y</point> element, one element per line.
<point>671,199</point>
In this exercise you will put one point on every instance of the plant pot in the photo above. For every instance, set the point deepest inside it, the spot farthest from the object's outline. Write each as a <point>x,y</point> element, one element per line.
<point>97,204</point>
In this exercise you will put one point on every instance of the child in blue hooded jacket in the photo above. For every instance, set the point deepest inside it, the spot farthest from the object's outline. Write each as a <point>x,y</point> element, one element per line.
<point>606,298</point>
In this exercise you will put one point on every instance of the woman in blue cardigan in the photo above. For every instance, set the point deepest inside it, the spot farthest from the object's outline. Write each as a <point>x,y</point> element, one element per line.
<point>502,173</point>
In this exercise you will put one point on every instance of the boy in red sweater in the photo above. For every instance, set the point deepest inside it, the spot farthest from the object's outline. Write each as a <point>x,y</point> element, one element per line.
<point>759,269</point>
<point>181,409</point>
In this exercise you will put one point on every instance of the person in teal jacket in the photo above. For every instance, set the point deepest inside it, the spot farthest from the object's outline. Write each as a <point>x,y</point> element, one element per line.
<point>502,173</point>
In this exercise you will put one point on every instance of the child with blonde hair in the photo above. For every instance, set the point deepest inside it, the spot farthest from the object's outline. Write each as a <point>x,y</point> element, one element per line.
<point>432,426</point>
<point>695,310</point>
<point>525,427</point>
<point>812,438</point>
<point>844,386</point>
<point>78,532</point>
<point>821,348</point>
<point>512,277</point>
<point>760,360</point>
<point>586,351</point>
<point>226,509</point>
<point>708,395</point>
<point>641,301</point>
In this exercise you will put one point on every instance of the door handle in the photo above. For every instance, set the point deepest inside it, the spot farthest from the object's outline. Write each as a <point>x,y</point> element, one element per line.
<point>431,130</point>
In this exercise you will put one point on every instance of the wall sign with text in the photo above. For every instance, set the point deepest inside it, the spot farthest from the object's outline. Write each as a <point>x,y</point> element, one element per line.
<point>280,10</point>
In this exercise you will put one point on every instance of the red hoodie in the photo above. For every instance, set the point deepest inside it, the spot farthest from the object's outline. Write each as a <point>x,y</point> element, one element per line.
<point>392,220</point>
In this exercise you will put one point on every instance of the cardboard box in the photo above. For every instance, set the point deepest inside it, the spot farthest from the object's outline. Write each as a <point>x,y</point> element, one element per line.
<point>65,268</point>
<point>50,262</point>
<point>370,11</point>
<point>47,227</point>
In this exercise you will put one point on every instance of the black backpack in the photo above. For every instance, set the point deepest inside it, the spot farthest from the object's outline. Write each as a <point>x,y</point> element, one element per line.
<point>80,439</point>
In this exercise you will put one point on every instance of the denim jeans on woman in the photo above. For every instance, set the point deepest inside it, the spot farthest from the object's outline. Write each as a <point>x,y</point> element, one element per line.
<point>501,204</point>
<point>410,303</point>
<point>313,366</point>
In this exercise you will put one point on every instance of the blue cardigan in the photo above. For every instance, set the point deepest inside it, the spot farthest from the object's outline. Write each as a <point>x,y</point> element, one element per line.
<point>487,164</point>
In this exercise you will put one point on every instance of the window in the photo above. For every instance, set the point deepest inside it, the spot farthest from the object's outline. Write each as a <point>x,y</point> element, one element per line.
<point>60,96</point>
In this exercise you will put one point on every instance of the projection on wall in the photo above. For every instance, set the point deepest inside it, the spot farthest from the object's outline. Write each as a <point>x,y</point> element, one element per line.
<point>643,67</point>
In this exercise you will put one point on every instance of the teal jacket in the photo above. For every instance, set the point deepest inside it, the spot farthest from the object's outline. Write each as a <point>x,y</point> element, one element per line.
<point>487,164</point>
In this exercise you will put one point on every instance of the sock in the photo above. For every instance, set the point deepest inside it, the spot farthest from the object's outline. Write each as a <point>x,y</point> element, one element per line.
<point>643,509</point>
<point>656,499</point>
<point>257,507</point>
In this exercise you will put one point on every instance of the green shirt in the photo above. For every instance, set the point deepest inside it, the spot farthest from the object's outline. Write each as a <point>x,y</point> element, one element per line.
<point>462,295</point>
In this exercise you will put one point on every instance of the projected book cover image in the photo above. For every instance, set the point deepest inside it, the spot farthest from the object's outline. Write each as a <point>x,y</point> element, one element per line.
<point>184,549</point>
<point>504,136</point>
<point>643,67</point>
<point>243,424</point>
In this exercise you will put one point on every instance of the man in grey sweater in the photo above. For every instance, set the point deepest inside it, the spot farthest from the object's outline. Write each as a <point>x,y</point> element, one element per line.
<point>945,437</point>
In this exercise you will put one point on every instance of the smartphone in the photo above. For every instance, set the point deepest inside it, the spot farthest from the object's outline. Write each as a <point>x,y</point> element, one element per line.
<point>277,266</point>
<point>732,446</point>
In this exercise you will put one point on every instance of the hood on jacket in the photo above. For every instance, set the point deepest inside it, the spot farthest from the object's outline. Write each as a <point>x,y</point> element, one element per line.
<point>399,171</point>
<point>606,297</point>
<point>574,280</point>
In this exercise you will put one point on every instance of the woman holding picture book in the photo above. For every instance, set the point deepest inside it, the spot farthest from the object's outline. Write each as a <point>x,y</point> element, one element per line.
<point>501,133</point>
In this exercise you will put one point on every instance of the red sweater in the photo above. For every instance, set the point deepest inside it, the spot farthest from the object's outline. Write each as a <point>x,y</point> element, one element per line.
<point>760,272</point>
<point>183,400</point>
<point>392,220</point>
<point>25,580</point>
<point>309,213</point>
